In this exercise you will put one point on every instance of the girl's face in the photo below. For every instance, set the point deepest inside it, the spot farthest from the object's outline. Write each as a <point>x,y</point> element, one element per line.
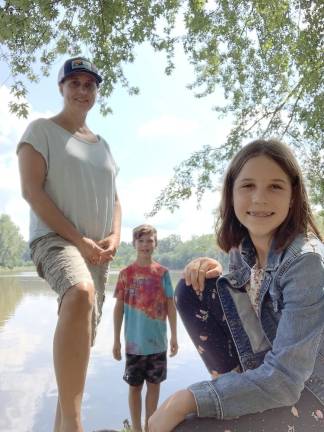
<point>79,91</point>
<point>261,198</point>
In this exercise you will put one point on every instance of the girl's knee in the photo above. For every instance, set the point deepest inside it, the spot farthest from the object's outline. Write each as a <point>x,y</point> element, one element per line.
<point>182,293</point>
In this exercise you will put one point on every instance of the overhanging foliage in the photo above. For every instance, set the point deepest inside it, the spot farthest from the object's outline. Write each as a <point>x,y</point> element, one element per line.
<point>267,56</point>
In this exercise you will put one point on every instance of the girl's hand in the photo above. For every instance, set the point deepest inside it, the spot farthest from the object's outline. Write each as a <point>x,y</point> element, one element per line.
<point>200,269</point>
<point>109,246</point>
<point>172,412</point>
<point>90,250</point>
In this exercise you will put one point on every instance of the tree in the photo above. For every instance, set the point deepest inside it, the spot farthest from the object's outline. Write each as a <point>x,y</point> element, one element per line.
<point>33,32</point>
<point>319,219</point>
<point>168,244</point>
<point>125,255</point>
<point>266,56</point>
<point>173,253</point>
<point>12,245</point>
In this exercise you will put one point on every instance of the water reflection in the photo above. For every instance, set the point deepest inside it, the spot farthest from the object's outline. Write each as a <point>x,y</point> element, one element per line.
<point>27,385</point>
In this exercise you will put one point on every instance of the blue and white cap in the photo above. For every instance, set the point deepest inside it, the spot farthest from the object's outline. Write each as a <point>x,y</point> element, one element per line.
<point>78,64</point>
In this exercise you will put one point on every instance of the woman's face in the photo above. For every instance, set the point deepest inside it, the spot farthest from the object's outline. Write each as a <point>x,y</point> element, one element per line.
<point>79,91</point>
<point>262,195</point>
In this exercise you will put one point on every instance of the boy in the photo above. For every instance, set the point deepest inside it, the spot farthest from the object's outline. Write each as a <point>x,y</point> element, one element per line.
<point>144,294</point>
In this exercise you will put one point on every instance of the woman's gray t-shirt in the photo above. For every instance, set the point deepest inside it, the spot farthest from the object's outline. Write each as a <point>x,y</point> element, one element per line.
<point>80,179</point>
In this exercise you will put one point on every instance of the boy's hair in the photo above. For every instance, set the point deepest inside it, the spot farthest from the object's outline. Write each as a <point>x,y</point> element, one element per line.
<point>230,231</point>
<point>140,230</point>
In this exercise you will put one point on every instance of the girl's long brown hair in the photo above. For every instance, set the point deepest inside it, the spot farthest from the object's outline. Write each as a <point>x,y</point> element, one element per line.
<point>299,219</point>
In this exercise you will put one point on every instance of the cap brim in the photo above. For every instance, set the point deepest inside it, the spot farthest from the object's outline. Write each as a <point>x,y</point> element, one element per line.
<point>96,76</point>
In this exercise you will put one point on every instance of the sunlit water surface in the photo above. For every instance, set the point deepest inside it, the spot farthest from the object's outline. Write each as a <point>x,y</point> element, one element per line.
<point>28,394</point>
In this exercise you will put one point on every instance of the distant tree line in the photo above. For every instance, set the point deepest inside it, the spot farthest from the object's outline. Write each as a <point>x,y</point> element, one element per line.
<point>174,253</point>
<point>14,249</point>
<point>171,251</point>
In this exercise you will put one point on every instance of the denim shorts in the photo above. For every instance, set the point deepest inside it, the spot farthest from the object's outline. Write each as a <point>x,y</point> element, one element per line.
<point>60,263</point>
<point>140,368</point>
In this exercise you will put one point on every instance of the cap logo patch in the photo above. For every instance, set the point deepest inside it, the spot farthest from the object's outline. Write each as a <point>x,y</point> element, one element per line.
<point>80,64</point>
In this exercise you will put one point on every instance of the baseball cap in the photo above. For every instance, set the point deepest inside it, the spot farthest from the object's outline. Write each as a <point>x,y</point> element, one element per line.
<point>78,64</point>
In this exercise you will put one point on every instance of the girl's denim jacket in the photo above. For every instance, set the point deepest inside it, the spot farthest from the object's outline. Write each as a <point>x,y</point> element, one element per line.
<point>291,314</point>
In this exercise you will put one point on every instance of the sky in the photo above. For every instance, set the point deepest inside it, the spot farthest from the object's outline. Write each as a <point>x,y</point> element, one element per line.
<point>149,135</point>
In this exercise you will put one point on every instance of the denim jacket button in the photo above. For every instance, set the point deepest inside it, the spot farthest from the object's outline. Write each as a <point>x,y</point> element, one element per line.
<point>250,364</point>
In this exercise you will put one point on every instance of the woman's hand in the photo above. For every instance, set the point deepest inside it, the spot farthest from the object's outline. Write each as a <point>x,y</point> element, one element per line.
<point>90,250</point>
<point>172,412</point>
<point>109,246</point>
<point>200,269</point>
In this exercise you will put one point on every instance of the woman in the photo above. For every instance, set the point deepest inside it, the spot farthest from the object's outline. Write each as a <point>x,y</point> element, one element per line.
<point>68,178</point>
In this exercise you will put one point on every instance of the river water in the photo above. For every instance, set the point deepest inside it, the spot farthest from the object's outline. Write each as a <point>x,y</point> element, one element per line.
<point>28,394</point>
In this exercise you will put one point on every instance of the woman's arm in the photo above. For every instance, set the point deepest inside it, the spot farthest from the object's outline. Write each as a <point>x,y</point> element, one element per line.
<point>32,168</point>
<point>112,241</point>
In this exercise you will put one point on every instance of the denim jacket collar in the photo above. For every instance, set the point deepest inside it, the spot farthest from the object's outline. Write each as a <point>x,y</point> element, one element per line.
<point>245,255</point>
<point>243,258</point>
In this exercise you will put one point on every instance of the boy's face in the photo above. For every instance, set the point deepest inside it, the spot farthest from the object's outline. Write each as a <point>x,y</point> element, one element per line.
<point>145,245</point>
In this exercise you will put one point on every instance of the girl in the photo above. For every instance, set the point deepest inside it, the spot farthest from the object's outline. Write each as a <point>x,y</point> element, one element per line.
<point>259,328</point>
<point>68,178</point>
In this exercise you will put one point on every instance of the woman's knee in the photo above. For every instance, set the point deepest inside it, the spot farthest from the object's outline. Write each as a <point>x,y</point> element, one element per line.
<point>80,297</point>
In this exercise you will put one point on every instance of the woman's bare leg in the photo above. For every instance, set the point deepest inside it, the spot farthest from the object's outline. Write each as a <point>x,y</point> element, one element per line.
<point>57,424</point>
<point>72,341</point>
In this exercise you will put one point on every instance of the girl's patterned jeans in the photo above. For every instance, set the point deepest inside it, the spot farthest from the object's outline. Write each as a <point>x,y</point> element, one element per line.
<point>204,321</point>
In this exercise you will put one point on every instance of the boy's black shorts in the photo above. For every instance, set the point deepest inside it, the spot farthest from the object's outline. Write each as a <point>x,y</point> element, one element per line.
<point>140,368</point>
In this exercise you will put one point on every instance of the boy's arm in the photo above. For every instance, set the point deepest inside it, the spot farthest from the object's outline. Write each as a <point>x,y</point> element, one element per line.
<point>172,317</point>
<point>118,320</point>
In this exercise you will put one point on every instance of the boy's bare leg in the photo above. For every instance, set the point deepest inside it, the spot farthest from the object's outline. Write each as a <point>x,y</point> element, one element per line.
<point>135,406</point>
<point>151,401</point>
<point>57,424</point>
<point>71,349</point>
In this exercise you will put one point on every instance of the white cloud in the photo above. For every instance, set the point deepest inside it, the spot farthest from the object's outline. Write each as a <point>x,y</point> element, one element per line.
<point>167,126</point>
<point>137,198</point>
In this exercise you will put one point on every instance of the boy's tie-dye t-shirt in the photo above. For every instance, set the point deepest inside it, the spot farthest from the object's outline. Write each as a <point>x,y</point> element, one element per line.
<point>144,291</point>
